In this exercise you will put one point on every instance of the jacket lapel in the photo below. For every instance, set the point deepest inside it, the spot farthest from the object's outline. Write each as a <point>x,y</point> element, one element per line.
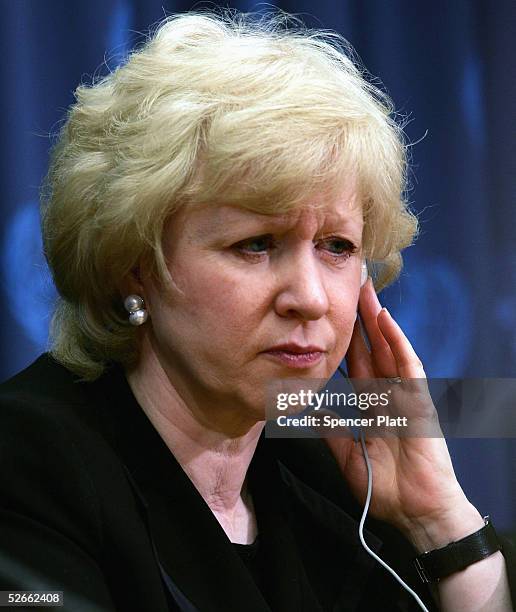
<point>322,538</point>
<point>191,547</point>
<point>307,541</point>
<point>196,554</point>
<point>286,581</point>
<point>338,565</point>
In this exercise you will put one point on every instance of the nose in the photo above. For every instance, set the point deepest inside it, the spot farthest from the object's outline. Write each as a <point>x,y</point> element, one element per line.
<point>301,291</point>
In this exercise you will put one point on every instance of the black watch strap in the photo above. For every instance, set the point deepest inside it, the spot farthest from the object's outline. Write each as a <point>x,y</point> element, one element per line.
<point>436,564</point>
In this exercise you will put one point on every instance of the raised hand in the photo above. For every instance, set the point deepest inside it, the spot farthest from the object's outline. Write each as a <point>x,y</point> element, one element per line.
<point>414,484</point>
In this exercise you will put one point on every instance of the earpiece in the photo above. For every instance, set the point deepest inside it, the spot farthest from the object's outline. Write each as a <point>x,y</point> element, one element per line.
<point>365,273</point>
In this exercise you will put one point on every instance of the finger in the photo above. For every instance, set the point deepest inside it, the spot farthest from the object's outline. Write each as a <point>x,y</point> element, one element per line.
<point>370,307</point>
<point>408,363</point>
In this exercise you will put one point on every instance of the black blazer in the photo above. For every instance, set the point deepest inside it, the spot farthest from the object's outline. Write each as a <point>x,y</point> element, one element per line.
<point>92,503</point>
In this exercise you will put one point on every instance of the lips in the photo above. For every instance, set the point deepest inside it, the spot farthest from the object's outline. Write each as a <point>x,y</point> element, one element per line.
<point>296,356</point>
<point>296,348</point>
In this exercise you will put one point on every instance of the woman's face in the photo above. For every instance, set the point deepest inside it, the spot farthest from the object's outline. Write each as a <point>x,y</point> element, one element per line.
<point>247,283</point>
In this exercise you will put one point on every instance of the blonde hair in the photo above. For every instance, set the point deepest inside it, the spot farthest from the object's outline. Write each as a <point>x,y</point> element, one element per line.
<point>260,113</point>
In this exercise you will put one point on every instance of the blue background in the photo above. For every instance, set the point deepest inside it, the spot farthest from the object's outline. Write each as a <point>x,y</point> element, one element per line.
<point>449,67</point>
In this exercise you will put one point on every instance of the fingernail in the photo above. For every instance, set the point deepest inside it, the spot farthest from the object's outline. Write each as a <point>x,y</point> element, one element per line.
<point>388,313</point>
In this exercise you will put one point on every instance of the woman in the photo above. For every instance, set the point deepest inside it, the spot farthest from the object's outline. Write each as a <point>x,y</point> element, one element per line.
<point>208,211</point>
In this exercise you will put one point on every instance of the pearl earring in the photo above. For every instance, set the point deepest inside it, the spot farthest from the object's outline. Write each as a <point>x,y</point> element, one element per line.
<point>135,307</point>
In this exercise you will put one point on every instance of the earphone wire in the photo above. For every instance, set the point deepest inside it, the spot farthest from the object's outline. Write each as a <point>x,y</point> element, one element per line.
<point>364,515</point>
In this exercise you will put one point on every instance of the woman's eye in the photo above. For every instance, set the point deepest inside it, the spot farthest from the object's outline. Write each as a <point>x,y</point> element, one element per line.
<point>338,247</point>
<point>256,245</point>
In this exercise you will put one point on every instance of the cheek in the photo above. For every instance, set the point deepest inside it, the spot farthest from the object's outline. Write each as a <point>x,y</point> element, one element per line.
<point>345,309</point>
<point>217,298</point>
<point>345,338</point>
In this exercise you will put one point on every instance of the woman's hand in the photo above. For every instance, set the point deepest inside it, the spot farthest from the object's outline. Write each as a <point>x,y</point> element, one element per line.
<point>414,485</point>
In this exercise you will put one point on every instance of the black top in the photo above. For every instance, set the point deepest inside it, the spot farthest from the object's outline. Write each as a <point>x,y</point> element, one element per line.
<point>94,504</point>
<point>250,555</point>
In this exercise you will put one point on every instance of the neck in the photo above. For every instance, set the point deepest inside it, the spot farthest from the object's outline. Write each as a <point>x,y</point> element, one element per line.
<point>214,455</point>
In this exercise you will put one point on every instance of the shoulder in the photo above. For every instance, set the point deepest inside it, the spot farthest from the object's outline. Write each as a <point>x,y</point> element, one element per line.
<point>47,414</point>
<point>41,392</point>
<point>66,507</point>
<point>52,448</point>
<point>47,399</point>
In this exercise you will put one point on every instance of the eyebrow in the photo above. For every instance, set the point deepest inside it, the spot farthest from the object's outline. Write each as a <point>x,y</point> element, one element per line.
<point>239,217</point>
<point>282,219</point>
<point>236,216</point>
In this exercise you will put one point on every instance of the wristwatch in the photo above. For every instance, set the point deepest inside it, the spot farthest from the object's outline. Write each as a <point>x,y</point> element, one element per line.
<point>441,562</point>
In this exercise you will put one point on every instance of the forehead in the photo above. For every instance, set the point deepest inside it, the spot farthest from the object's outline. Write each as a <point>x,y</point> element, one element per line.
<point>343,211</point>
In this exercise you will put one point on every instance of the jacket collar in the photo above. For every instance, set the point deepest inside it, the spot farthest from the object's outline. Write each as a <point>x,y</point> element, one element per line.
<point>300,529</point>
